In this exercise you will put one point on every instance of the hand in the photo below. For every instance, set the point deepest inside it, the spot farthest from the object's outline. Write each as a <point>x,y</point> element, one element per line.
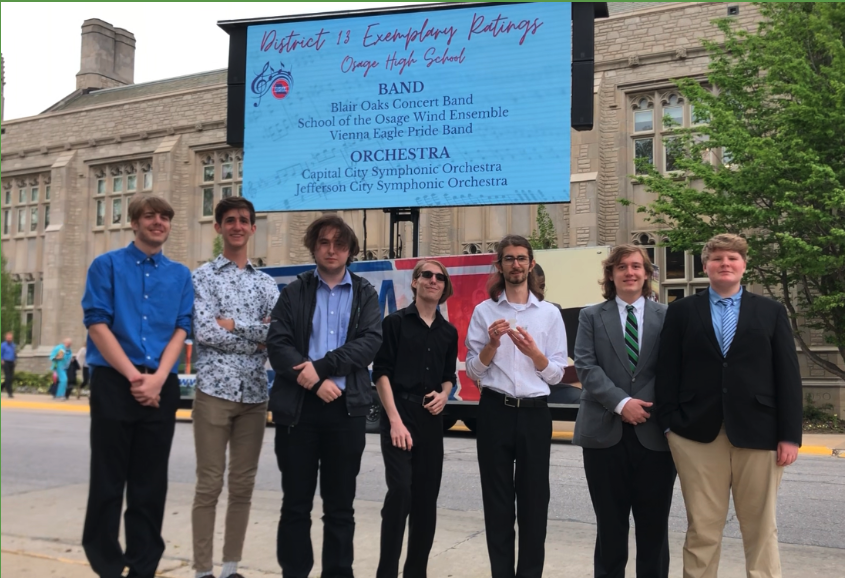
<point>267,320</point>
<point>260,347</point>
<point>633,412</point>
<point>329,391</point>
<point>437,401</point>
<point>307,377</point>
<point>496,331</point>
<point>227,324</point>
<point>146,390</point>
<point>787,453</point>
<point>528,347</point>
<point>400,436</point>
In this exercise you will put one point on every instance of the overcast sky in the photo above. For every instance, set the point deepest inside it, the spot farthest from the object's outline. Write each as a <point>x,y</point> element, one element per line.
<point>41,41</point>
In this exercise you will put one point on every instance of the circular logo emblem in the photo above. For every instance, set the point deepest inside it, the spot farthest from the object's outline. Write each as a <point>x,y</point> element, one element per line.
<point>281,88</point>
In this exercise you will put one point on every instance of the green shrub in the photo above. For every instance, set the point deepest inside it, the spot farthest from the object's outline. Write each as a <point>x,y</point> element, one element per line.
<point>33,382</point>
<point>814,413</point>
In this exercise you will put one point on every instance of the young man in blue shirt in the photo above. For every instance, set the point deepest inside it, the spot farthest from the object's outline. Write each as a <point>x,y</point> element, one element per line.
<point>9,354</point>
<point>137,308</point>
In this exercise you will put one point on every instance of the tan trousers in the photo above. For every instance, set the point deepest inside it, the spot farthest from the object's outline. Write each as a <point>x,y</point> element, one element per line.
<point>709,473</point>
<point>218,423</point>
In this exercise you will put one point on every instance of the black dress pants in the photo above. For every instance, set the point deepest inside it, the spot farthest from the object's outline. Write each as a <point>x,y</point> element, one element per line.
<point>413,484</point>
<point>9,375</point>
<point>520,437</point>
<point>130,449</point>
<point>327,440</point>
<point>624,478</point>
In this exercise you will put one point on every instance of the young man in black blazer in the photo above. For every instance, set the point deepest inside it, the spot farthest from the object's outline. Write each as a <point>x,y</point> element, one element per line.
<point>728,396</point>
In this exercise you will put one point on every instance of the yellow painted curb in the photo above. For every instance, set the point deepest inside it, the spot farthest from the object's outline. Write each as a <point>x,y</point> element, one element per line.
<point>556,435</point>
<point>48,405</point>
<point>815,450</point>
<point>65,406</point>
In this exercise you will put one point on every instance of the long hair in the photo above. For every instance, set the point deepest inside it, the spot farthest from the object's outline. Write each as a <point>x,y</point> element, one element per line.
<point>345,235</point>
<point>447,290</point>
<point>496,281</point>
<point>608,287</point>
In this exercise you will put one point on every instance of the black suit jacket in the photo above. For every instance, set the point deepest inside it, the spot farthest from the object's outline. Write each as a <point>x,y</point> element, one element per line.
<point>755,390</point>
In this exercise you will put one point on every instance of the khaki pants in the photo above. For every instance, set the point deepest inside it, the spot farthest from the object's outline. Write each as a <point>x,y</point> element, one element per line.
<point>218,423</point>
<point>709,473</point>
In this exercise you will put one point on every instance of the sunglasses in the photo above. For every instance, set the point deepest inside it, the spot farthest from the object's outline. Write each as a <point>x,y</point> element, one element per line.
<point>429,274</point>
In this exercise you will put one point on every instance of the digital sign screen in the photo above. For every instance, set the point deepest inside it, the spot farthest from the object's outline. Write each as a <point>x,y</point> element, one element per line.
<point>450,107</point>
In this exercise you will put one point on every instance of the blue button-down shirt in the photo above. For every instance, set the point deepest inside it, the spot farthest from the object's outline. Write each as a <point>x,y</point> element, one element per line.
<point>331,320</point>
<point>717,312</point>
<point>8,352</point>
<point>142,299</point>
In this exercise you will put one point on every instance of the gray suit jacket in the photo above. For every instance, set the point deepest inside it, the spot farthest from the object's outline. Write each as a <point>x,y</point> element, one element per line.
<point>606,378</point>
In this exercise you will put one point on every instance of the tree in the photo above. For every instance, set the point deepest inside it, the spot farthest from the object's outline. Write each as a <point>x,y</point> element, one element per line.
<point>9,301</point>
<point>768,162</point>
<point>217,247</point>
<point>544,236</point>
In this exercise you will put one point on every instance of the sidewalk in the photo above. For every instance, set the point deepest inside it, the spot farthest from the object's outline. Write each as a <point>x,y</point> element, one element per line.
<point>41,535</point>
<point>814,444</point>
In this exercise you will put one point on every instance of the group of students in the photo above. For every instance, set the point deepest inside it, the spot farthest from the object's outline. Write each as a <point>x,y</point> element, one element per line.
<point>719,389</point>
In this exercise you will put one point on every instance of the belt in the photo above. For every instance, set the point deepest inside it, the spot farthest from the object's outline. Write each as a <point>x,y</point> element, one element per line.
<point>412,397</point>
<point>517,402</point>
<point>144,369</point>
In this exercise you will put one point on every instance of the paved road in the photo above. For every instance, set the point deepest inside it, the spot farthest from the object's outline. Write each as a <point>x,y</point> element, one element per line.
<point>42,450</point>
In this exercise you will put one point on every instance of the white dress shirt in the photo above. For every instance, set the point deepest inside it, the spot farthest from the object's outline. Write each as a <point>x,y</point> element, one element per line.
<point>511,372</point>
<point>639,312</point>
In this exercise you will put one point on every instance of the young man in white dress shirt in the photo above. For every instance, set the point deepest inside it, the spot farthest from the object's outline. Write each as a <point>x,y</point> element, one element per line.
<point>516,348</point>
<point>232,307</point>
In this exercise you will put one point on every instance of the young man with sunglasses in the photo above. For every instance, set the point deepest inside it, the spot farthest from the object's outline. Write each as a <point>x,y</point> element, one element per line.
<point>414,372</point>
<point>325,331</point>
<point>516,348</point>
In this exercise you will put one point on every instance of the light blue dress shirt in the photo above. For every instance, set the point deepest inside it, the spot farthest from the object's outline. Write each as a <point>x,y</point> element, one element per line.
<point>331,321</point>
<point>717,312</point>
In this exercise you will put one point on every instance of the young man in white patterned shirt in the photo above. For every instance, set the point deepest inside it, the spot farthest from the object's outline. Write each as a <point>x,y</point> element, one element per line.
<point>232,306</point>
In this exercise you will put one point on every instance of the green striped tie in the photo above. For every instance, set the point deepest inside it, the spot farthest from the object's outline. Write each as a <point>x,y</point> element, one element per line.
<point>632,338</point>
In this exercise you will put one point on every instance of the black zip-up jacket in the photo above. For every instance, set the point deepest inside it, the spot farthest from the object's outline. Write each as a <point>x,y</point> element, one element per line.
<point>287,346</point>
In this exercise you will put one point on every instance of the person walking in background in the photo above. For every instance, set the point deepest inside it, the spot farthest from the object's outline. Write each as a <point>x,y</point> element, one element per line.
<point>414,373</point>
<point>83,364</point>
<point>72,370</point>
<point>326,330</point>
<point>232,305</point>
<point>728,397</point>
<point>137,308</point>
<point>9,355</point>
<point>60,359</point>
<point>626,457</point>
<point>516,349</point>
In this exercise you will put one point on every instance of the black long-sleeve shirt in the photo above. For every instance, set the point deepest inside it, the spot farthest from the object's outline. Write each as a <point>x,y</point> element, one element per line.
<point>416,358</point>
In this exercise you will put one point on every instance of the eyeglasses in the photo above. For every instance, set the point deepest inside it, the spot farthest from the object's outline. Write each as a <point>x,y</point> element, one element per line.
<point>429,274</point>
<point>521,259</point>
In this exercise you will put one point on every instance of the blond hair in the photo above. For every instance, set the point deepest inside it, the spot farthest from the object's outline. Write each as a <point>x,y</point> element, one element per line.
<point>725,242</point>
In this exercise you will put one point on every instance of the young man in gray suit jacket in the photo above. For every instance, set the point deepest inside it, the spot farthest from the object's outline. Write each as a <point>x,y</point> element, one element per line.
<point>626,457</point>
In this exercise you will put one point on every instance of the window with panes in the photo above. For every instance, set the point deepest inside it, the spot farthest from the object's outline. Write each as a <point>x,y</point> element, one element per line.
<point>680,273</point>
<point>114,186</point>
<point>654,115</point>
<point>26,205</point>
<point>221,176</point>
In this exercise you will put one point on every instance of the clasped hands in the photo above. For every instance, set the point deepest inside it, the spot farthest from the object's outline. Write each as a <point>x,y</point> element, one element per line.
<point>308,378</point>
<point>146,387</point>
<point>521,339</point>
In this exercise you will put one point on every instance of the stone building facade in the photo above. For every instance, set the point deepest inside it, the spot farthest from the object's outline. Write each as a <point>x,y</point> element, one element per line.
<point>68,173</point>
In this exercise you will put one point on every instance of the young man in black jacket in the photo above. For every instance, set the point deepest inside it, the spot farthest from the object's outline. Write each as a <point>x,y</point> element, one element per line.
<point>325,331</point>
